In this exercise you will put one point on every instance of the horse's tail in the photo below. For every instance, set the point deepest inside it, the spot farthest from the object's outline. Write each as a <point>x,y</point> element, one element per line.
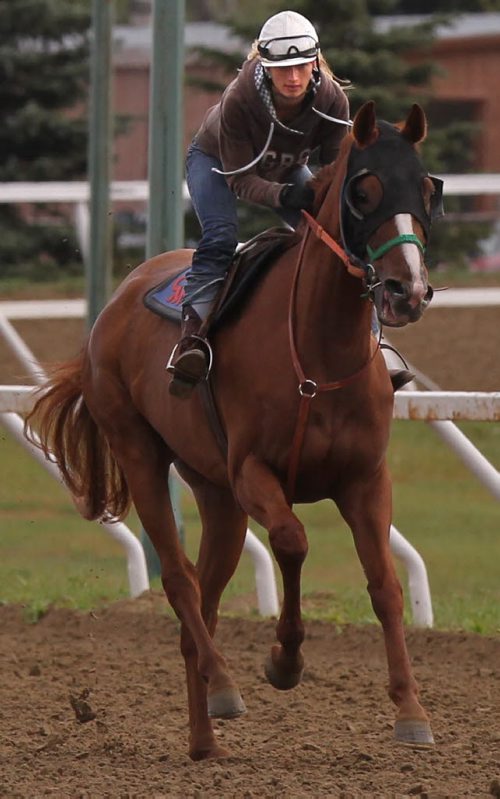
<point>61,426</point>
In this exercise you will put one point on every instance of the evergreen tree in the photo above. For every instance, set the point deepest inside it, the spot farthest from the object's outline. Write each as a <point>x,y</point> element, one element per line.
<point>43,80</point>
<point>448,6</point>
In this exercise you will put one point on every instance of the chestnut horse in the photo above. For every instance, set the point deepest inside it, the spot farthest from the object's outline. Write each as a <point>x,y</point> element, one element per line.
<point>305,401</point>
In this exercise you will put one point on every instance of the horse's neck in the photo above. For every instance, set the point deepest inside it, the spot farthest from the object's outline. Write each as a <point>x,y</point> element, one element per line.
<point>332,320</point>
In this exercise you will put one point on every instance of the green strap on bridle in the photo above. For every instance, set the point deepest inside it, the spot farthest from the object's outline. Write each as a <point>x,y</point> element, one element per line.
<point>404,238</point>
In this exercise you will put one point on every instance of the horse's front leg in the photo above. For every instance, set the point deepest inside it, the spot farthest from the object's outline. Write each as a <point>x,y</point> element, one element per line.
<point>367,508</point>
<point>262,497</point>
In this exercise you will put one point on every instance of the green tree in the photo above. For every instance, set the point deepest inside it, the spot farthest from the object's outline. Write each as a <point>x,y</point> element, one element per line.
<point>448,6</point>
<point>43,136</point>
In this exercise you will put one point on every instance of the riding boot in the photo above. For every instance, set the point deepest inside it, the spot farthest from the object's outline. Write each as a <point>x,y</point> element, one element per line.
<point>400,377</point>
<point>189,363</point>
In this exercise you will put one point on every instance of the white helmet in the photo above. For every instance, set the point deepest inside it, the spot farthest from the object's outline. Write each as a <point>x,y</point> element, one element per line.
<point>287,39</point>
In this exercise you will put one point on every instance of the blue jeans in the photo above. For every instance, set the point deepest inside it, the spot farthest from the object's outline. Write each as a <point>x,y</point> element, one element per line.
<point>215,207</point>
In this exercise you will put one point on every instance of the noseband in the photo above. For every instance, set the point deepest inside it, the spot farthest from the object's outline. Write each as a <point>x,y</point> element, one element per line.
<point>354,265</point>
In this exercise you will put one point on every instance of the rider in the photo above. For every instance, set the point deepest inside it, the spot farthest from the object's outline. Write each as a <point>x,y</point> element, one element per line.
<point>254,145</point>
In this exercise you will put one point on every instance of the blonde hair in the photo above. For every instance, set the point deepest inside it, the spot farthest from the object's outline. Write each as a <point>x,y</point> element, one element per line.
<point>323,65</point>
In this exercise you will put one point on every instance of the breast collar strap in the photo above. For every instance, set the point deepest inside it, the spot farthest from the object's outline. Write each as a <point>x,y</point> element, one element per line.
<point>307,387</point>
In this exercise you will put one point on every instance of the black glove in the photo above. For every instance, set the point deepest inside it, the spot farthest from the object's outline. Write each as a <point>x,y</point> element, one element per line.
<point>296,197</point>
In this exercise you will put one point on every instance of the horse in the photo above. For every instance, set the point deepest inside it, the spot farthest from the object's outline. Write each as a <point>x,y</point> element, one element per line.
<point>305,402</point>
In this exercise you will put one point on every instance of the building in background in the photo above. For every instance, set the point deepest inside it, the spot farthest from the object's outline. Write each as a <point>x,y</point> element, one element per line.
<point>468,53</point>
<point>131,59</point>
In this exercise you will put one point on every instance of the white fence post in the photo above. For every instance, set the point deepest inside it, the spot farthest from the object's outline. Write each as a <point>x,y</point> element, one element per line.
<point>136,562</point>
<point>265,580</point>
<point>418,583</point>
<point>435,407</point>
<point>471,405</point>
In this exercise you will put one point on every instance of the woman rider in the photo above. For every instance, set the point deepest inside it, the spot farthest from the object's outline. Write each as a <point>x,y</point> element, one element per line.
<point>254,145</point>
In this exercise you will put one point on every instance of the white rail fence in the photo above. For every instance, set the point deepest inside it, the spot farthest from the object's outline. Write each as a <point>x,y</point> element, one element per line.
<point>15,400</point>
<point>436,408</point>
<point>77,194</point>
<point>440,409</point>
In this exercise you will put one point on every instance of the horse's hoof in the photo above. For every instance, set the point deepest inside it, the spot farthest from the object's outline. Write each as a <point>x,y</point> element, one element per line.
<point>226,704</point>
<point>413,732</point>
<point>212,753</point>
<point>284,679</point>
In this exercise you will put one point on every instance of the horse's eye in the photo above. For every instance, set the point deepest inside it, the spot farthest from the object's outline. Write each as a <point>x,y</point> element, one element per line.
<point>366,194</point>
<point>359,197</point>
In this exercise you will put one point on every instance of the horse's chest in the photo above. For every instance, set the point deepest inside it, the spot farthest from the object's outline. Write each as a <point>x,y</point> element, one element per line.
<point>348,438</point>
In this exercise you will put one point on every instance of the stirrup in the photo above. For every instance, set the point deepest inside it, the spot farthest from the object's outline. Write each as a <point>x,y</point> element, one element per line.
<point>183,382</point>
<point>204,346</point>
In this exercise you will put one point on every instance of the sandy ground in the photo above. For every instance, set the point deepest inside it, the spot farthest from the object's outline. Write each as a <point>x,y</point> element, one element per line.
<point>330,737</point>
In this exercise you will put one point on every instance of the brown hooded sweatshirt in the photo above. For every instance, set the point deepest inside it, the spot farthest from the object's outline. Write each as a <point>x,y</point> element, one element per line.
<point>236,130</point>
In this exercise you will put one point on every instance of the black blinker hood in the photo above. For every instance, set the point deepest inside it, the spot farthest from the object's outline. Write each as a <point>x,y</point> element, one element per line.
<point>395,162</point>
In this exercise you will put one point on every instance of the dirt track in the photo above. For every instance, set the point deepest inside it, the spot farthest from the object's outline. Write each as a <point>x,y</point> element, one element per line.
<point>331,737</point>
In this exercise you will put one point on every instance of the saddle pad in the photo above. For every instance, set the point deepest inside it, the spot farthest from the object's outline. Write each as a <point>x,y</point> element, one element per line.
<point>166,299</point>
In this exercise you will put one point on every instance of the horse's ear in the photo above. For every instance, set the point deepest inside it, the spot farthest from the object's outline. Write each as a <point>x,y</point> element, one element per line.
<point>364,126</point>
<point>415,127</point>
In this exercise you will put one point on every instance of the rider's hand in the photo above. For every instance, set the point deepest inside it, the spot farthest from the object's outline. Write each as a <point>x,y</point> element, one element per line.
<point>296,197</point>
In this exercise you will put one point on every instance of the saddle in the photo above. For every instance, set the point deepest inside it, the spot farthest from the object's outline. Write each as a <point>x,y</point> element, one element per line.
<point>250,262</point>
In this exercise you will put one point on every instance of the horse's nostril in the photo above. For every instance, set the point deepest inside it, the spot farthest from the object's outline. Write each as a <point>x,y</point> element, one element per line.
<point>395,288</point>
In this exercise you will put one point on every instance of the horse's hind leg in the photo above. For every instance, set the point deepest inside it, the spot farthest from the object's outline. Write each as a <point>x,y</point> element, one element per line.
<point>366,507</point>
<point>261,495</point>
<point>223,534</point>
<point>144,458</point>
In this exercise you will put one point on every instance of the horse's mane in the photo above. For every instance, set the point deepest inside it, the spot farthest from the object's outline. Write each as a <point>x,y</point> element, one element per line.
<point>323,178</point>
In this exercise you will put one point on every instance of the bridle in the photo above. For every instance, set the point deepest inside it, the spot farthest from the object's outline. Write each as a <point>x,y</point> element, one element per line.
<point>356,266</point>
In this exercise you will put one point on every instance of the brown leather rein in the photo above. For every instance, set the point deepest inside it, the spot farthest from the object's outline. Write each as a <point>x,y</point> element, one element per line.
<point>308,388</point>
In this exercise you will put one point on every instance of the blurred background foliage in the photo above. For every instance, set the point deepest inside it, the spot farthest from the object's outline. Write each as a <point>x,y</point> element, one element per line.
<point>44,88</point>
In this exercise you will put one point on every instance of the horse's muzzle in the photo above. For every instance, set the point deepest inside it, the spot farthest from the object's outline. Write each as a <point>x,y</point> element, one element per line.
<point>398,304</point>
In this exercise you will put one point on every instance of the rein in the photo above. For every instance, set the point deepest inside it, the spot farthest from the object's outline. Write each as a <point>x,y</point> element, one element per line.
<point>308,388</point>
<point>325,237</point>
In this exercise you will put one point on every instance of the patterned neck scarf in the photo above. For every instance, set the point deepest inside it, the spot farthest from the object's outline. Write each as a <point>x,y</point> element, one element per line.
<point>262,84</point>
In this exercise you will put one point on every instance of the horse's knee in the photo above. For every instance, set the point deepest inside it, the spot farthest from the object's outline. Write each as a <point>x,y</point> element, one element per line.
<point>289,542</point>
